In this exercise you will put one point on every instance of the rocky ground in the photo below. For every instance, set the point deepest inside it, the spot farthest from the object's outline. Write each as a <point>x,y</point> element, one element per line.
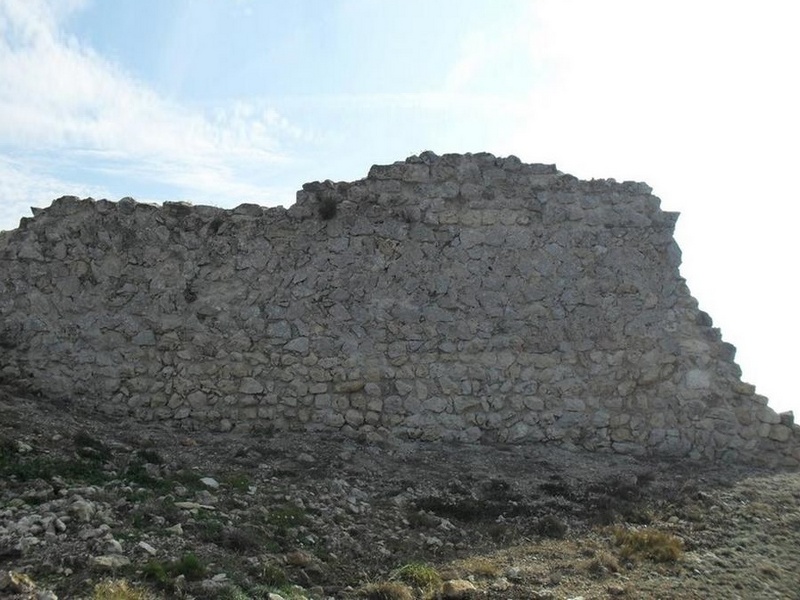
<point>91,508</point>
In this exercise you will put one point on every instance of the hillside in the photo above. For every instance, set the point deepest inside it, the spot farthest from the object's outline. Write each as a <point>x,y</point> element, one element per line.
<point>179,514</point>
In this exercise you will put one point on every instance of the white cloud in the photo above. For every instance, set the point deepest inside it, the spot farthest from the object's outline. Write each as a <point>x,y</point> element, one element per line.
<point>699,100</point>
<point>21,186</point>
<point>57,94</point>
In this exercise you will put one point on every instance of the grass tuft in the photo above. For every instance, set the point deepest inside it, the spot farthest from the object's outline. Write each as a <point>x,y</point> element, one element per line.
<point>648,543</point>
<point>419,575</point>
<point>120,589</point>
<point>387,590</point>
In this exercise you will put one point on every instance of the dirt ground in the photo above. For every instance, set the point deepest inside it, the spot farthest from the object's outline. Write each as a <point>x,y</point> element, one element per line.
<point>181,514</point>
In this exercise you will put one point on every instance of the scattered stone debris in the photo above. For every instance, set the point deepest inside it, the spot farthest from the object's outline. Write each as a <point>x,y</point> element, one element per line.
<point>365,519</point>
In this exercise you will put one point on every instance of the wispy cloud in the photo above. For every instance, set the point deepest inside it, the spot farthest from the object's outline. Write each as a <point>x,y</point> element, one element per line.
<point>58,95</point>
<point>24,183</point>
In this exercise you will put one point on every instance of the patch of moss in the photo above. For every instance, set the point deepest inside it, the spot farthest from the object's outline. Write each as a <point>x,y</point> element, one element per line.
<point>24,468</point>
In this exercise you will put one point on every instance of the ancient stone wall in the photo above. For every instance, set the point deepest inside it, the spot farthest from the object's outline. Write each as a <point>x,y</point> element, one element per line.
<point>461,297</point>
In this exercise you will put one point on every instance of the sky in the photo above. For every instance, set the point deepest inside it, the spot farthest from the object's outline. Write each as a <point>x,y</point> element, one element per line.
<point>229,101</point>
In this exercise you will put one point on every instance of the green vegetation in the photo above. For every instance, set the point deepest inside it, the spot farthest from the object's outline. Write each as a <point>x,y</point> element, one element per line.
<point>156,571</point>
<point>189,566</point>
<point>189,479</point>
<point>138,474</point>
<point>89,447</point>
<point>273,576</point>
<point>24,468</point>
<point>419,575</point>
<point>162,573</point>
<point>150,456</point>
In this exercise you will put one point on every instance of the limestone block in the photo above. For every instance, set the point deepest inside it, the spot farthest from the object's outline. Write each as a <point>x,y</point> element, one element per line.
<point>436,404</point>
<point>634,449</point>
<point>697,379</point>
<point>349,387</point>
<point>144,338</point>
<point>574,404</point>
<point>197,399</point>
<point>372,389</point>
<point>354,418</point>
<point>767,415</point>
<point>299,345</point>
<point>279,329</point>
<point>249,385</point>
<point>621,433</point>
<point>517,433</point>
<point>247,401</point>
<point>780,433</point>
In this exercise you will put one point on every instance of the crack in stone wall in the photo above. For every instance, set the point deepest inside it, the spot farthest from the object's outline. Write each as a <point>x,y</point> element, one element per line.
<point>457,297</point>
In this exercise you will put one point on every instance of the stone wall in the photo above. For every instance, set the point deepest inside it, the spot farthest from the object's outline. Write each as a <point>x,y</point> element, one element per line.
<point>461,297</point>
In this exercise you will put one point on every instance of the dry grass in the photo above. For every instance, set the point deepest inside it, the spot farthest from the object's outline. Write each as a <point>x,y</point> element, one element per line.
<point>419,575</point>
<point>119,589</point>
<point>480,566</point>
<point>648,543</point>
<point>602,564</point>
<point>387,590</point>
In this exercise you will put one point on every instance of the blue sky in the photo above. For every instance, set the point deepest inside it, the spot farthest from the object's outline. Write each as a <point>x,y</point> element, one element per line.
<point>230,101</point>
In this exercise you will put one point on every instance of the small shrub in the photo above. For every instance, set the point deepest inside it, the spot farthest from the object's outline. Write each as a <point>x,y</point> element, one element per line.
<point>189,566</point>
<point>189,479</point>
<point>7,449</point>
<point>150,456</point>
<point>551,527</point>
<point>156,571</point>
<point>273,575</point>
<point>210,530</point>
<point>262,592</point>
<point>241,539</point>
<point>419,519</point>
<point>138,474</point>
<point>419,575</point>
<point>89,447</point>
<point>603,563</point>
<point>119,589</point>
<point>233,592</point>
<point>650,544</point>
<point>45,467</point>
<point>461,508</point>
<point>387,590</point>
